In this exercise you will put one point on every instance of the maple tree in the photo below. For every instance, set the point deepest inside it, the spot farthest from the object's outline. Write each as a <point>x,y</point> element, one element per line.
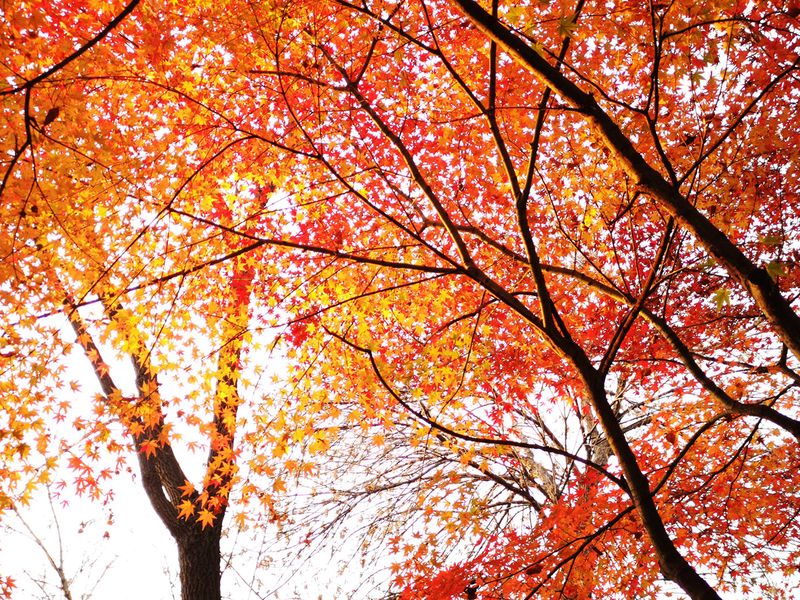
<point>534,264</point>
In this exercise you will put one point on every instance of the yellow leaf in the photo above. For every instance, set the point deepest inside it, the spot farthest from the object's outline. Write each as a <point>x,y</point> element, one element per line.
<point>206,517</point>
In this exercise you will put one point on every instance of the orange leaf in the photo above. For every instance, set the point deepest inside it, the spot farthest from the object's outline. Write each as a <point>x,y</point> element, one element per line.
<point>206,517</point>
<point>186,509</point>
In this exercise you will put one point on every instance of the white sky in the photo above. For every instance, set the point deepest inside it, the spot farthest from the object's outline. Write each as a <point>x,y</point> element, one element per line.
<point>139,554</point>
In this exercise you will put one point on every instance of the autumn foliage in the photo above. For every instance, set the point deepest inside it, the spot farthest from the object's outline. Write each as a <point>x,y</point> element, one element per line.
<point>531,269</point>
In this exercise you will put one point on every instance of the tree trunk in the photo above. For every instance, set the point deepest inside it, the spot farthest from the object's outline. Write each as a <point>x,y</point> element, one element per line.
<point>198,547</point>
<point>199,560</point>
<point>672,563</point>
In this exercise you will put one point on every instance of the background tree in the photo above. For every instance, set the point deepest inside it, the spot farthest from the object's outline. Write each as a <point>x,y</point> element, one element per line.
<point>547,250</point>
<point>71,578</point>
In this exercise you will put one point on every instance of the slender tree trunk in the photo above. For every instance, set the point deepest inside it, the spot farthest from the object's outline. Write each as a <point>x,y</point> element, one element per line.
<point>199,560</point>
<point>673,565</point>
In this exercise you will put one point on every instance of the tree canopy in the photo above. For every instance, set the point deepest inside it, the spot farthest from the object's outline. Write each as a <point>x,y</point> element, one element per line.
<point>532,268</point>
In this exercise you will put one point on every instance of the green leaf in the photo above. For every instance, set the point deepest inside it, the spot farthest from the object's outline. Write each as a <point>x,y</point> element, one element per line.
<point>514,13</point>
<point>775,269</point>
<point>722,297</point>
<point>567,26</point>
<point>771,240</point>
